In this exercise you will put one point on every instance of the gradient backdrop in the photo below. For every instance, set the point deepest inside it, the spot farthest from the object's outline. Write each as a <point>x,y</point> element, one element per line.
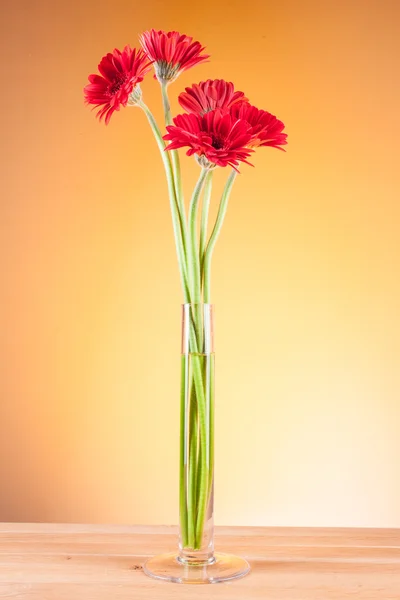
<point>306,274</point>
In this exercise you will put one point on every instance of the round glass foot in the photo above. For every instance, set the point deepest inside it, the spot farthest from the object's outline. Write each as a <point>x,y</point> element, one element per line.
<point>168,568</point>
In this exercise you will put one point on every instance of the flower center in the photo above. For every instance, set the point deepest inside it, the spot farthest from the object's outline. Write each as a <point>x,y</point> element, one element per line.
<point>116,85</point>
<point>218,142</point>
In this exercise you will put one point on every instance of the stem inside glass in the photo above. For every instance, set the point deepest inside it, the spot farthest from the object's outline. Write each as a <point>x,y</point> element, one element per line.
<point>197,435</point>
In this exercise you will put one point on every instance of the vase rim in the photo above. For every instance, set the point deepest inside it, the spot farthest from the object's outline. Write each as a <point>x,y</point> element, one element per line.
<point>198,304</point>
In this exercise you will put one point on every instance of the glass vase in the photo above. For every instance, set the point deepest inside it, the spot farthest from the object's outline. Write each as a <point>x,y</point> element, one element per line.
<point>195,560</point>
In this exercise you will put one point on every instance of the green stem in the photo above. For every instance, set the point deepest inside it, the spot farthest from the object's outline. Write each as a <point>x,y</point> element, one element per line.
<point>206,449</point>
<point>194,262</point>
<point>176,168</point>
<point>183,511</point>
<point>193,450</point>
<point>192,475</point>
<point>204,221</point>
<point>193,253</point>
<point>202,479</point>
<point>193,487</point>
<point>180,249</point>
<point>211,427</point>
<point>215,233</point>
<point>166,104</point>
<point>208,379</point>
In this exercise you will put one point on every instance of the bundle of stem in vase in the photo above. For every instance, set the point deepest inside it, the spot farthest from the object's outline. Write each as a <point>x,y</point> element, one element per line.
<point>220,128</point>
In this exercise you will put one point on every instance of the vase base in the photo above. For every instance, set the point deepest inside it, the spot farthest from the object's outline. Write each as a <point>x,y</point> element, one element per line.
<point>168,568</point>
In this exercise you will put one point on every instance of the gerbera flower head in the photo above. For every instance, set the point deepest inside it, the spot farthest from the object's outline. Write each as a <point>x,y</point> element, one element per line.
<point>266,129</point>
<point>116,86</point>
<point>217,139</point>
<point>171,53</point>
<point>209,95</point>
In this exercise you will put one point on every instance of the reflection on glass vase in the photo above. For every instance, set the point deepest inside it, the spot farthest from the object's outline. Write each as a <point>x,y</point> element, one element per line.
<point>195,561</point>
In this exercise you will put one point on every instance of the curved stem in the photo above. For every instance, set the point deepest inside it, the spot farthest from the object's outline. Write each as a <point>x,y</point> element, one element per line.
<point>194,261</point>
<point>180,248</point>
<point>193,253</point>
<point>215,233</point>
<point>176,167</point>
<point>204,221</point>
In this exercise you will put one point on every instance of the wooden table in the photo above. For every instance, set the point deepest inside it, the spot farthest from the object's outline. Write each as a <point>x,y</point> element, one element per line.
<point>95,562</point>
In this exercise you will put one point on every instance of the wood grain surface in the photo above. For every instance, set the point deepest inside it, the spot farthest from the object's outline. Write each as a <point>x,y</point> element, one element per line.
<point>97,562</point>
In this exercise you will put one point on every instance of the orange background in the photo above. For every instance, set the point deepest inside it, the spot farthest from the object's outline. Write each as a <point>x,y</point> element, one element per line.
<point>305,277</point>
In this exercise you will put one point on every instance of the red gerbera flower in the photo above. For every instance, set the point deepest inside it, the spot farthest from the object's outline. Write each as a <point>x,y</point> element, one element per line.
<point>120,72</point>
<point>171,52</point>
<point>217,138</point>
<point>209,95</point>
<point>266,129</point>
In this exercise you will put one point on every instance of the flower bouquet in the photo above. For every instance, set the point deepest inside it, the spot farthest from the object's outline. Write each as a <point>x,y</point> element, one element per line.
<point>220,128</point>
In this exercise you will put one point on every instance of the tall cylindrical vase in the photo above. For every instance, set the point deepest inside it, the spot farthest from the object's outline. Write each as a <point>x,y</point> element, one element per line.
<point>196,471</point>
<point>195,561</point>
